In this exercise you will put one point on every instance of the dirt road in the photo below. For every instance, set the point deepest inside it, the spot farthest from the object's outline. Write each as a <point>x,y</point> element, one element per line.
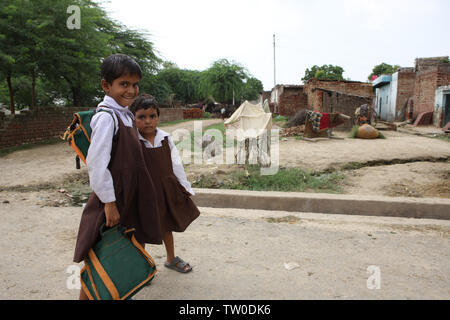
<point>241,251</point>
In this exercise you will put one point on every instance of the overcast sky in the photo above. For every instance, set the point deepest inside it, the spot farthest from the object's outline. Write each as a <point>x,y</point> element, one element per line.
<point>354,34</point>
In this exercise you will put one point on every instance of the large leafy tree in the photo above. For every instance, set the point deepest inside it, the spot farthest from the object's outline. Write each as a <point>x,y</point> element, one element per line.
<point>17,42</point>
<point>41,57</point>
<point>224,81</point>
<point>74,55</point>
<point>251,89</point>
<point>383,68</point>
<point>183,83</point>
<point>325,72</point>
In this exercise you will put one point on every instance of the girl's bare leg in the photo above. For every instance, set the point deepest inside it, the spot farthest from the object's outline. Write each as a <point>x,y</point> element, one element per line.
<point>170,248</point>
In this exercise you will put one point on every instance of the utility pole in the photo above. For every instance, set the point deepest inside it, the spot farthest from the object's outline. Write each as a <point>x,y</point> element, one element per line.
<point>274,70</point>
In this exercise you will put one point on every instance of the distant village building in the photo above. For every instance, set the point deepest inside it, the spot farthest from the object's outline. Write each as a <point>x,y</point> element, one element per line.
<point>411,92</point>
<point>322,95</point>
<point>288,99</point>
<point>392,94</point>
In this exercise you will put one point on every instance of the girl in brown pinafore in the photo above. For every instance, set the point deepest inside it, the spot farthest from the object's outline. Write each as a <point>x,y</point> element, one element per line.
<point>123,190</point>
<point>176,210</point>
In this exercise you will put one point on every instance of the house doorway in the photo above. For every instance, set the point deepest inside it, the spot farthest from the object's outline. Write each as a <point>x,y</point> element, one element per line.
<point>447,109</point>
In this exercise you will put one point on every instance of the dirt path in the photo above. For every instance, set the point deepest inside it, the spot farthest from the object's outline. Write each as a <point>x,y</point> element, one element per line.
<point>39,227</point>
<point>413,172</point>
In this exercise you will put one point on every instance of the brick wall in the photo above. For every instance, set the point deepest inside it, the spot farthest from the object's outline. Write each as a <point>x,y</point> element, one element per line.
<point>170,114</point>
<point>426,83</point>
<point>291,100</point>
<point>32,127</point>
<point>422,64</point>
<point>343,103</point>
<point>405,89</point>
<point>348,87</point>
<point>50,123</point>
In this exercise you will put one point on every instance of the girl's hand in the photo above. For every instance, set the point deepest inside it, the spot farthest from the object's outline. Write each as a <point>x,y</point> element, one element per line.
<point>112,214</point>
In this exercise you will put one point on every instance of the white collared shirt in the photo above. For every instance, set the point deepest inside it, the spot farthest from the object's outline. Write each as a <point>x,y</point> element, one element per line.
<point>177,164</point>
<point>99,154</point>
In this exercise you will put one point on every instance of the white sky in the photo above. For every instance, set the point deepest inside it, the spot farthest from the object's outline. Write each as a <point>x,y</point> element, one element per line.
<point>354,34</point>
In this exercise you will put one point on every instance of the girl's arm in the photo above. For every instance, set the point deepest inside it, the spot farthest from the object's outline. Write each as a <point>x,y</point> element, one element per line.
<point>98,158</point>
<point>178,169</point>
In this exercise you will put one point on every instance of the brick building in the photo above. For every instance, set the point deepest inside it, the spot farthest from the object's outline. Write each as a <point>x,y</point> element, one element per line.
<point>429,80</point>
<point>315,96</point>
<point>410,92</point>
<point>288,99</point>
<point>392,94</point>
<point>334,101</point>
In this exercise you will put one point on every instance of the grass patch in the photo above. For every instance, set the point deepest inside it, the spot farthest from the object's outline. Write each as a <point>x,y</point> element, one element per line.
<point>26,146</point>
<point>286,179</point>
<point>171,123</point>
<point>443,138</point>
<point>218,126</point>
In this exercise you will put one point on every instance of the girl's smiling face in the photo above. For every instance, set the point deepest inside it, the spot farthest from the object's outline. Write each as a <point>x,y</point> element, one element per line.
<point>123,89</point>
<point>146,121</point>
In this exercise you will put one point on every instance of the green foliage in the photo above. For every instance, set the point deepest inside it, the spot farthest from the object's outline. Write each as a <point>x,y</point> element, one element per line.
<point>286,179</point>
<point>252,88</point>
<point>182,83</point>
<point>325,72</point>
<point>43,62</point>
<point>224,81</point>
<point>383,68</point>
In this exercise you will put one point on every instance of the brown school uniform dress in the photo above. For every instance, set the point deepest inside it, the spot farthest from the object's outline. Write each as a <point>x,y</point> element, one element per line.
<point>175,207</point>
<point>135,196</point>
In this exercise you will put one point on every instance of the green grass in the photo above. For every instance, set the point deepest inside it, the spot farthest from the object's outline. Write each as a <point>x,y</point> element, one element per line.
<point>441,137</point>
<point>218,126</point>
<point>26,146</point>
<point>171,123</point>
<point>290,179</point>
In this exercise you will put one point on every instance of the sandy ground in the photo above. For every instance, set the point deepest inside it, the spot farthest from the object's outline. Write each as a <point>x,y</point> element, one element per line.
<point>229,249</point>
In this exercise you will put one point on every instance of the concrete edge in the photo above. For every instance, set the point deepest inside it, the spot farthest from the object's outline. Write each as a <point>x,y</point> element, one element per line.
<point>429,208</point>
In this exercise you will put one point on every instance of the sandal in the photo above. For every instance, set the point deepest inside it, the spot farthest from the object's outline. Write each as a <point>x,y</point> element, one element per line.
<point>178,264</point>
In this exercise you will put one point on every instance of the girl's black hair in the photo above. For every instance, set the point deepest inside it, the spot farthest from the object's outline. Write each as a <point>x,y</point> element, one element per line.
<point>144,101</point>
<point>117,65</point>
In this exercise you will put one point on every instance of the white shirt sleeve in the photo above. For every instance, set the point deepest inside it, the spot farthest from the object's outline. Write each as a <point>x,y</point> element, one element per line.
<point>178,169</point>
<point>99,155</point>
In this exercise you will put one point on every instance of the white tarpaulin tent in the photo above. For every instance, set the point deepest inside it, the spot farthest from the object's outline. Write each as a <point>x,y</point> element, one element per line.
<point>251,125</point>
<point>249,120</point>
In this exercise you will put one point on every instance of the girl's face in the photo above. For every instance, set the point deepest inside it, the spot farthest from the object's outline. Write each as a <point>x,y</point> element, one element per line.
<point>146,121</point>
<point>123,89</point>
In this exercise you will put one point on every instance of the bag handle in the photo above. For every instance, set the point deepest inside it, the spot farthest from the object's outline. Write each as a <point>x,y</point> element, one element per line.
<point>122,229</point>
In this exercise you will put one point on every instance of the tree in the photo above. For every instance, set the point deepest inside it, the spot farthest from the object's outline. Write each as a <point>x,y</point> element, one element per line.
<point>325,72</point>
<point>383,68</point>
<point>36,43</point>
<point>252,88</point>
<point>17,42</point>
<point>224,81</point>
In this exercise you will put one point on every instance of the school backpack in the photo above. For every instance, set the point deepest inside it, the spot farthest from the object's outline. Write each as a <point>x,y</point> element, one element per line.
<point>117,266</point>
<point>78,133</point>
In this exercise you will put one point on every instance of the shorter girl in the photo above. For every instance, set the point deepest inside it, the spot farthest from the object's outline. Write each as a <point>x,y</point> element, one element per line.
<point>176,210</point>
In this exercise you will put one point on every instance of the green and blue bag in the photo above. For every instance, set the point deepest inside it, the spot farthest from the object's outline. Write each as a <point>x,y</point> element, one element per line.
<point>117,266</point>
